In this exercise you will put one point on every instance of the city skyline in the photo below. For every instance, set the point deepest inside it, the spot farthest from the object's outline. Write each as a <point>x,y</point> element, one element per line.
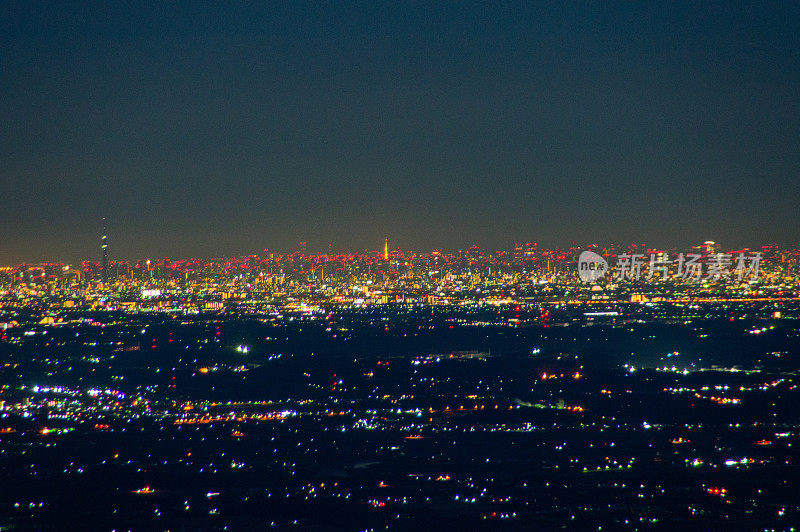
<point>383,249</point>
<point>399,265</point>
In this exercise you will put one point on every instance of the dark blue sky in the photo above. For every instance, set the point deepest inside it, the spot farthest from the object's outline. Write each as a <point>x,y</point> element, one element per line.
<point>203,129</point>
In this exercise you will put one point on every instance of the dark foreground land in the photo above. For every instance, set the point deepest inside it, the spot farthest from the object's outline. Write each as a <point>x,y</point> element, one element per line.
<point>402,419</point>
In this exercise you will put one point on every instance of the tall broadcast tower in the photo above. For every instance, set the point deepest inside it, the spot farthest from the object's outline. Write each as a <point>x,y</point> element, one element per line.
<point>386,250</point>
<point>104,247</point>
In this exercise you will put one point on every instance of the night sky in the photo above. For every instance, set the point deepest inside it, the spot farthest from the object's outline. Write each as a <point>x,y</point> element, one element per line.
<point>208,130</point>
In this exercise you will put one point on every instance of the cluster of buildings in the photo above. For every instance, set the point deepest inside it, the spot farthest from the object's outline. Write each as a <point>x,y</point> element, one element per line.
<point>527,273</point>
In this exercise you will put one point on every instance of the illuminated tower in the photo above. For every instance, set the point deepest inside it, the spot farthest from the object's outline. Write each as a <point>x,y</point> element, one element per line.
<point>104,247</point>
<point>386,250</point>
